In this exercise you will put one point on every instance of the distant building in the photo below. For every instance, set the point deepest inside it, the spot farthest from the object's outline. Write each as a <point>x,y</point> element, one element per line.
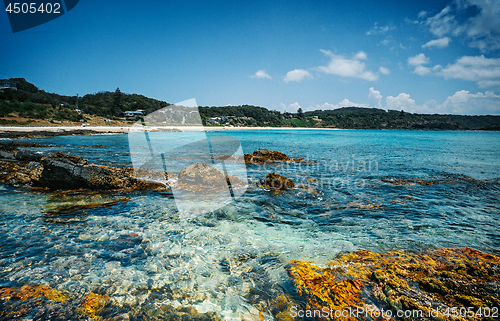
<point>224,119</point>
<point>8,84</point>
<point>136,113</point>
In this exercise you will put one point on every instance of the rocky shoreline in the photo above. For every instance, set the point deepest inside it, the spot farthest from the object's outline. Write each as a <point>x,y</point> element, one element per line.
<point>60,171</point>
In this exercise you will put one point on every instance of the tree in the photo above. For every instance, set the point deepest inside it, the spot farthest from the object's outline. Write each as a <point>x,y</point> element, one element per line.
<point>117,102</point>
<point>300,114</point>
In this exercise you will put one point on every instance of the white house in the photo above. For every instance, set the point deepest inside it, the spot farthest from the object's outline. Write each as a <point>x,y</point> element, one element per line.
<point>136,113</point>
<point>8,84</point>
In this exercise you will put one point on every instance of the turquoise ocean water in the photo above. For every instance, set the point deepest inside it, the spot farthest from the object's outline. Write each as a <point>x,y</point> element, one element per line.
<point>138,251</point>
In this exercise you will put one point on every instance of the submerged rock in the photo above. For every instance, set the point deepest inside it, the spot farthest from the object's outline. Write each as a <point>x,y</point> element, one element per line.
<point>93,304</point>
<point>277,182</point>
<point>21,302</point>
<point>401,181</point>
<point>31,291</point>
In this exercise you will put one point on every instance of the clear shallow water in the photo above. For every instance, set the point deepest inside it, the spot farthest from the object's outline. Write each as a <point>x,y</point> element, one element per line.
<point>143,255</point>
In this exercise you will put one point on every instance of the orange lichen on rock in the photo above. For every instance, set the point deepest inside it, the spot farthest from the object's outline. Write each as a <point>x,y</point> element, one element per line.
<point>93,304</point>
<point>439,280</point>
<point>322,288</point>
<point>30,292</point>
<point>201,177</point>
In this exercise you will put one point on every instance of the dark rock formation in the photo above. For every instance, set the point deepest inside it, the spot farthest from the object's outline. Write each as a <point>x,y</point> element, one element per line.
<point>264,156</point>
<point>62,171</point>
<point>13,146</point>
<point>277,182</point>
<point>7,155</point>
<point>27,155</point>
<point>71,172</point>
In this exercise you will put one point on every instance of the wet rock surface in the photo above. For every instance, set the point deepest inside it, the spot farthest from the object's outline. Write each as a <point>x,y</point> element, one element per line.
<point>264,156</point>
<point>203,177</point>
<point>277,182</point>
<point>434,280</point>
<point>68,172</point>
<point>71,172</point>
<point>42,302</point>
<point>202,174</point>
<point>438,283</point>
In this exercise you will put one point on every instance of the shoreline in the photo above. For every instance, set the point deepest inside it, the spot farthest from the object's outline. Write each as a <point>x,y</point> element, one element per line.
<point>20,131</point>
<point>35,131</point>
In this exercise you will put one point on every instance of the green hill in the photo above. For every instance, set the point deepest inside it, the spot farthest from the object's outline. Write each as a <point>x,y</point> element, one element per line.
<point>30,102</point>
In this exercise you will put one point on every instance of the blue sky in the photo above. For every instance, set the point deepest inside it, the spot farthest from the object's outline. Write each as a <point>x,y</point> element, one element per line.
<point>419,56</point>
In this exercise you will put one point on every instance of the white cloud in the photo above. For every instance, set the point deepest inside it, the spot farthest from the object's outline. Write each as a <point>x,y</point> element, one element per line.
<point>442,23</point>
<point>261,74</point>
<point>462,102</point>
<point>421,70</point>
<point>484,71</point>
<point>361,55</point>
<point>384,70</point>
<point>482,30</point>
<point>375,98</point>
<point>292,108</point>
<point>379,30</point>
<point>422,14</point>
<point>488,83</point>
<point>417,60</point>
<point>438,43</point>
<point>297,75</point>
<point>400,102</point>
<point>345,67</point>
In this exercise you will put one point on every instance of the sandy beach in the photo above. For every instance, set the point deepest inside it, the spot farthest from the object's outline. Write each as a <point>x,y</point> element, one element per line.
<point>19,131</point>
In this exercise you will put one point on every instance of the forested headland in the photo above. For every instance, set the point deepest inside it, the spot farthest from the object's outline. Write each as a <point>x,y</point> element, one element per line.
<point>27,102</point>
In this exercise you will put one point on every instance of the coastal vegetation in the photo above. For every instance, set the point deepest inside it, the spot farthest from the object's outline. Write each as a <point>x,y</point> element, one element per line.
<point>30,103</point>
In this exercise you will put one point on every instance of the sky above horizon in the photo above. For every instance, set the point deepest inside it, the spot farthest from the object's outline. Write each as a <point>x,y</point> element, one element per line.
<point>417,56</point>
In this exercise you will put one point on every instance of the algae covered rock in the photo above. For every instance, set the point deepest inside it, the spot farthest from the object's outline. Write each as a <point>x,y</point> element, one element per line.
<point>93,304</point>
<point>277,182</point>
<point>264,156</point>
<point>436,284</point>
<point>202,177</point>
